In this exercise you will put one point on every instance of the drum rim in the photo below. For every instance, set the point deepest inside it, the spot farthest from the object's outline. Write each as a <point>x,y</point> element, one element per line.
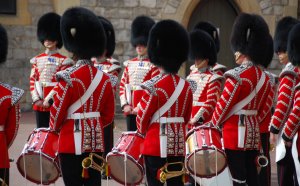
<point>205,176</point>
<point>200,127</point>
<point>141,168</point>
<point>30,178</point>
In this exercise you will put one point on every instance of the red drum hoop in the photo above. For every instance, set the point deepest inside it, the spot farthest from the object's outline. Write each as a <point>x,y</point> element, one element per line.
<point>205,156</point>
<point>41,147</point>
<point>128,147</point>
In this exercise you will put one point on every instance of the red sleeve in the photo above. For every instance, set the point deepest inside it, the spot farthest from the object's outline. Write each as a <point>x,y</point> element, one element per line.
<point>107,110</point>
<point>293,122</point>
<point>124,80</point>
<point>34,76</point>
<point>227,101</point>
<point>59,109</point>
<point>12,124</point>
<point>154,71</point>
<point>284,103</point>
<point>265,109</point>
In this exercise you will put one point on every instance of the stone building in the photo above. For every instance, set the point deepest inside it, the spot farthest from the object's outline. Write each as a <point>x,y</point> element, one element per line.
<point>23,43</point>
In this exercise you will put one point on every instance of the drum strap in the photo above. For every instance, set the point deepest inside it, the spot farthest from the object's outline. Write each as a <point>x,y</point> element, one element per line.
<point>248,99</point>
<point>162,110</point>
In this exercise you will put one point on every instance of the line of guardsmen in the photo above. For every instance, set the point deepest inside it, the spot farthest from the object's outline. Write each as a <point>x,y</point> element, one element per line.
<point>239,102</point>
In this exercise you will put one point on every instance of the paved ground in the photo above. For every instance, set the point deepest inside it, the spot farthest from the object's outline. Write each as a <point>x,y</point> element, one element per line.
<point>26,127</point>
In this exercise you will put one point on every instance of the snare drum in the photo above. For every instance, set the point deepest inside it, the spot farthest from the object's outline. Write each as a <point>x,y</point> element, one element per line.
<point>205,156</point>
<point>126,155</point>
<point>39,157</point>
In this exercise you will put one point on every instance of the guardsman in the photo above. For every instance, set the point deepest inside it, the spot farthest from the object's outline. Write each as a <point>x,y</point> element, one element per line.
<point>137,70</point>
<point>214,33</point>
<point>45,66</point>
<point>288,79</point>
<point>237,110</point>
<point>10,113</point>
<point>265,172</point>
<point>112,67</point>
<point>84,104</point>
<point>203,52</point>
<point>291,126</point>
<point>165,107</point>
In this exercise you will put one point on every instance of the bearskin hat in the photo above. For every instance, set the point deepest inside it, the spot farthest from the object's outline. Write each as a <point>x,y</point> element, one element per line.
<point>269,52</point>
<point>202,47</point>
<point>83,33</point>
<point>211,30</point>
<point>293,46</point>
<point>248,36</point>
<point>3,44</point>
<point>110,36</point>
<point>48,28</point>
<point>168,45</point>
<point>140,28</point>
<point>281,33</point>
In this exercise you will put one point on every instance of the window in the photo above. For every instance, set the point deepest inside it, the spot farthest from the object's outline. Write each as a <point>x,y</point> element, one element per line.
<point>8,7</point>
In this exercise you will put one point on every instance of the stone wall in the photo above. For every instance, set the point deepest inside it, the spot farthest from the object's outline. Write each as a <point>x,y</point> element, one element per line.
<point>24,45</point>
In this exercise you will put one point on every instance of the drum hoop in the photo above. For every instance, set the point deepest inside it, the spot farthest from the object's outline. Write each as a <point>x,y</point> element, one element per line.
<point>31,179</point>
<point>205,176</point>
<point>141,168</point>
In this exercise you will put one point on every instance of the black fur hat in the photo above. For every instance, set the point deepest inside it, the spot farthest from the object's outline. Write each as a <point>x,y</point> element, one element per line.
<point>168,45</point>
<point>48,27</point>
<point>269,52</point>
<point>211,30</point>
<point>3,44</point>
<point>110,36</point>
<point>140,28</point>
<point>83,33</point>
<point>202,47</point>
<point>248,36</point>
<point>293,46</point>
<point>281,33</point>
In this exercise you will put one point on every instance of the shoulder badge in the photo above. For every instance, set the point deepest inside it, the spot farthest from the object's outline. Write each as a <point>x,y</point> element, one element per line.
<point>193,85</point>
<point>288,69</point>
<point>33,61</point>
<point>125,63</point>
<point>113,79</point>
<point>219,67</point>
<point>235,73</point>
<point>216,77</point>
<point>17,94</point>
<point>149,85</point>
<point>68,61</point>
<point>65,76</point>
<point>272,77</point>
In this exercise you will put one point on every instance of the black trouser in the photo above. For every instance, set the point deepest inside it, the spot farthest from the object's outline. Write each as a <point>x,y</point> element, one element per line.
<point>286,169</point>
<point>154,163</point>
<point>108,138</point>
<point>264,175</point>
<point>42,119</point>
<point>242,167</point>
<point>131,122</point>
<point>4,175</point>
<point>71,170</point>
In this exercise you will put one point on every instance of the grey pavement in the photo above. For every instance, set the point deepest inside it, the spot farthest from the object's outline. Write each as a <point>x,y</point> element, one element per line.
<point>27,125</point>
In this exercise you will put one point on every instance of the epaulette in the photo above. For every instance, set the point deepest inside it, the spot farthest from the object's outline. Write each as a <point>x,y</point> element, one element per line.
<point>215,77</point>
<point>68,61</point>
<point>65,76</point>
<point>272,77</point>
<point>192,68</point>
<point>114,67</point>
<point>33,60</point>
<point>297,86</point>
<point>193,85</point>
<point>149,85</point>
<point>114,61</point>
<point>288,69</point>
<point>17,93</point>
<point>113,79</point>
<point>219,67</point>
<point>125,63</point>
<point>234,73</point>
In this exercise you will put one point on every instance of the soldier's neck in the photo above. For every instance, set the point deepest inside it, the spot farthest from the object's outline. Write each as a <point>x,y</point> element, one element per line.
<point>142,57</point>
<point>50,51</point>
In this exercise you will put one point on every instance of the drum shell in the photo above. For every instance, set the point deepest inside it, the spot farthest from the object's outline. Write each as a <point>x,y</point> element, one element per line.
<point>129,146</point>
<point>42,146</point>
<point>205,145</point>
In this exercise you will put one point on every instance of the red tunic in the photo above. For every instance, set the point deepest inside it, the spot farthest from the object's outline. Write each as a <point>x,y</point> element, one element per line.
<point>73,83</point>
<point>240,82</point>
<point>158,91</point>
<point>288,79</point>
<point>206,94</point>
<point>42,76</point>
<point>9,120</point>
<point>137,71</point>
